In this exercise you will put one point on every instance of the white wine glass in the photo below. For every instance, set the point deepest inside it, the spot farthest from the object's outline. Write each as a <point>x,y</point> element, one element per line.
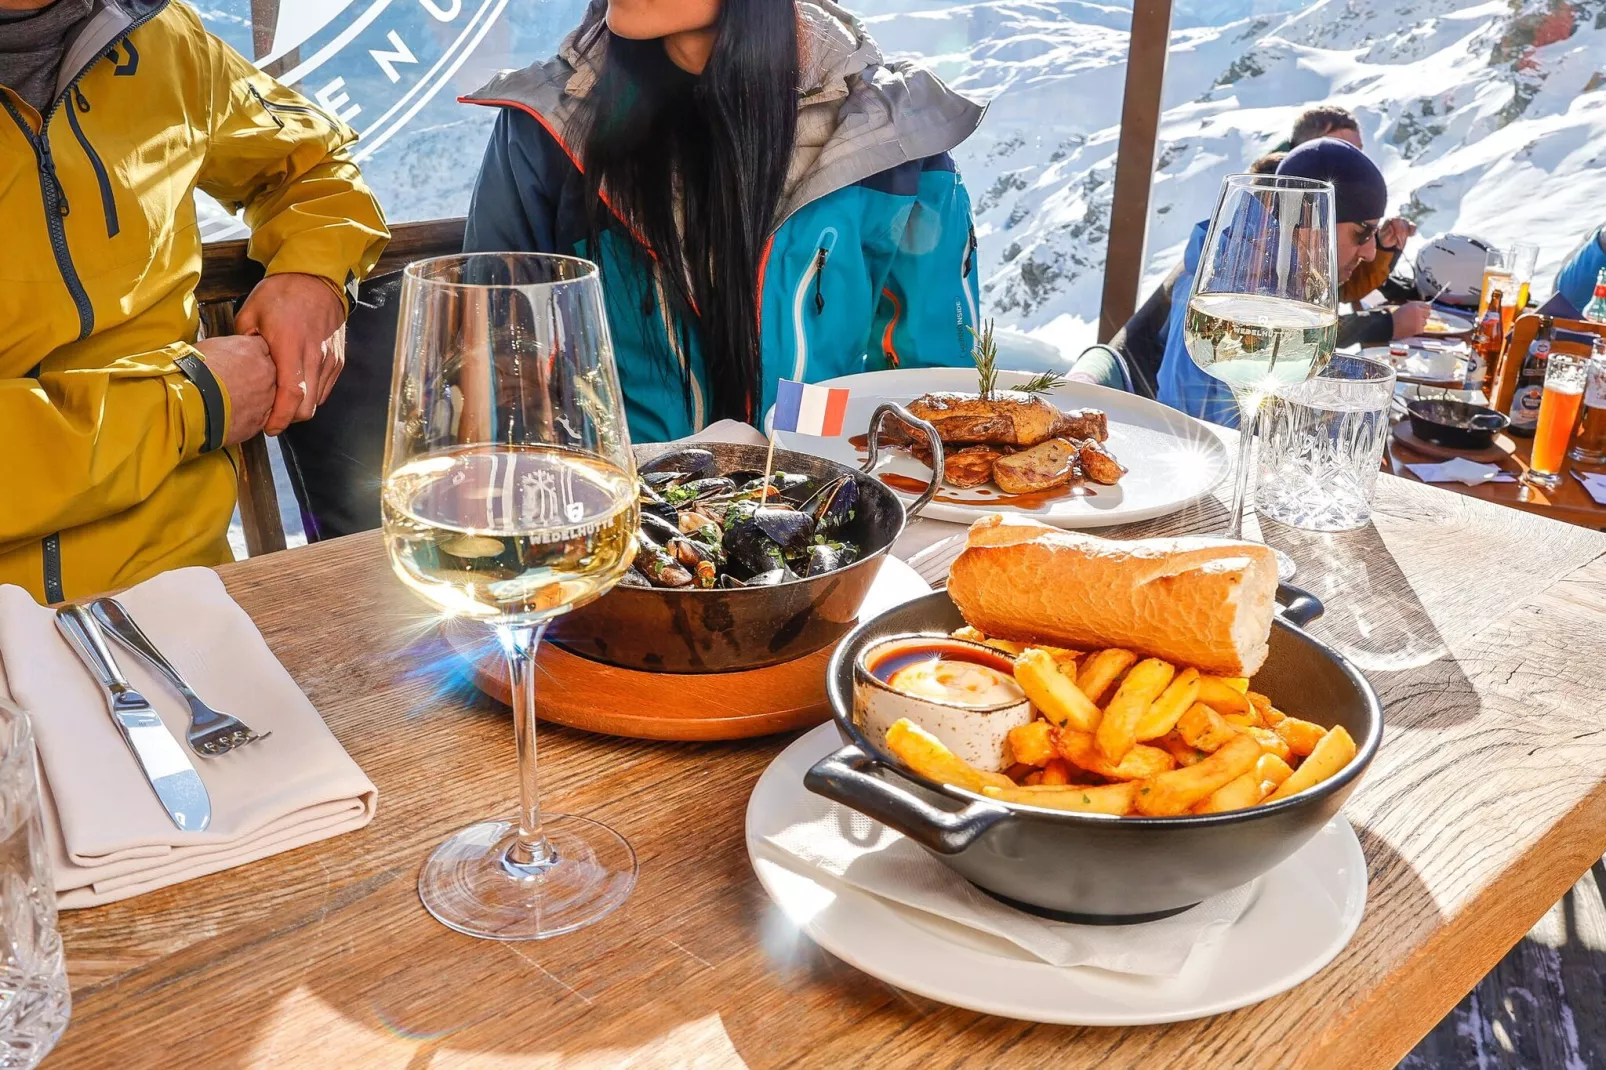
<point>1263,313</point>
<point>510,498</point>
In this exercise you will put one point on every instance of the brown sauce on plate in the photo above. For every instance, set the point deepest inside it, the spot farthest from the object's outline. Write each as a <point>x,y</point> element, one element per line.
<point>902,655</point>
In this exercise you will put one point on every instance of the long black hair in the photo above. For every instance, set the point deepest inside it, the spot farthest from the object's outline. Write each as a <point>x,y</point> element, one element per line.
<point>715,147</point>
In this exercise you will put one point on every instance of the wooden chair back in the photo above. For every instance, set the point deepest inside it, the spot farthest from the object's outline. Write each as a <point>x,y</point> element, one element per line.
<point>227,276</point>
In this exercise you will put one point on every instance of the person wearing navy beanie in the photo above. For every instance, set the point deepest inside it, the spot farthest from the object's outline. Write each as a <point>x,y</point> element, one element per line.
<point>1359,204</point>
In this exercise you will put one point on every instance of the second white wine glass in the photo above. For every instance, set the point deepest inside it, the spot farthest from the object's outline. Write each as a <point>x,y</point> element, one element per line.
<point>1263,312</point>
<point>510,498</point>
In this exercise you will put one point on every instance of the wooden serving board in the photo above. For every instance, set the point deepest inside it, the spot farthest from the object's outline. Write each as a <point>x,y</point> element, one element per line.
<point>585,694</point>
<point>1502,449</point>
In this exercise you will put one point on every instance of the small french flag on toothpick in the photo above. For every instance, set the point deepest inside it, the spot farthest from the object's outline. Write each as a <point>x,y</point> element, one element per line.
<point>809,410</point>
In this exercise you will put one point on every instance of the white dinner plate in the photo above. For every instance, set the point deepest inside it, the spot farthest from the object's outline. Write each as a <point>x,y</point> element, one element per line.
<point>1172,459</point>
<point>1447,324</point>
<point>1303,914</point>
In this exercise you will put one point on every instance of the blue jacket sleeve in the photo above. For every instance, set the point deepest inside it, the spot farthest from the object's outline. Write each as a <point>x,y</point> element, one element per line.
<point>1182,384</point>
<point>927,306</point>
<point>512,210</point>
<point>1576,281</point>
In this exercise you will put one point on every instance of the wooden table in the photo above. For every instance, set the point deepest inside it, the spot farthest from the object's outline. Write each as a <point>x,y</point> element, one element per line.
<point>1569,502</point>
<point>1483,628</point>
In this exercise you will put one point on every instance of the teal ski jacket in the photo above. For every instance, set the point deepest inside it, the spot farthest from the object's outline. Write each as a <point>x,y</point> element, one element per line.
<point>873,263</point>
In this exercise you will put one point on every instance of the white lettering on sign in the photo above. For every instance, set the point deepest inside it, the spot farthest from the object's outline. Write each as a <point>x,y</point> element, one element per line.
<point>453,9</point>
<point>387,60</point>
<point>333,98</point>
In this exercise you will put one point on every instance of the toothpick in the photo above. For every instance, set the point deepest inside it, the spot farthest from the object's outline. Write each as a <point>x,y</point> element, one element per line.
<point>769,463</point>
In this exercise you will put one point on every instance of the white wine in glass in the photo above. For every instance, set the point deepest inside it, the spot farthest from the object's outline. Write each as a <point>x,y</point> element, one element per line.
<point>1263,313</point>
<point>510,498</point>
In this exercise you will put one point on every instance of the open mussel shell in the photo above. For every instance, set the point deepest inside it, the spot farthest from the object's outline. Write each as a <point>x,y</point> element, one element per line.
<point>826,557</point>
<point>698,489</point>
<point>833,505</point>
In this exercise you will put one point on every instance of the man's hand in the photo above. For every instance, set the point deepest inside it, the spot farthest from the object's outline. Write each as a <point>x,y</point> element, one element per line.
<point>240,363</point>
<point>302,321</point>
<point>1410,318</point>
<point>1393,234</point>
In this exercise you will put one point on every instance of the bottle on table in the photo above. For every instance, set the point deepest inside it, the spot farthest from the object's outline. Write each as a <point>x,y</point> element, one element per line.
<point>1589,446</point>
<point>1526,382</point>
<point>1595,311</point>
<point>1559,406</point>
<point>1486,346</point>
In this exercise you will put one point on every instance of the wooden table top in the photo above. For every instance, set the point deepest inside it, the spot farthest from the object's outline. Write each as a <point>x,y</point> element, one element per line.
<point>1569,501</point>
<point>1482,627</point>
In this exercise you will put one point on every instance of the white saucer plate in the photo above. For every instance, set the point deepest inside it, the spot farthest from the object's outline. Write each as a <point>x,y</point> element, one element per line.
<point>1303,914</point>
<point>1172,459</point>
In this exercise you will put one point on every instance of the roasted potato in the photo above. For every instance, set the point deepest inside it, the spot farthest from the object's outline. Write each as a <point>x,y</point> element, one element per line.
<point>1088,799</point>
<point>1098,464</point>
<point>1057,773</point>
<point>1042,467</point>
<point>1031,744</point>
<point>1118,729</point>
<point>1177,791</point>
<point>1101,670</point>
<point>1204,728</point>
<point>969,467</point>
<point>1054,693</point>
<point>926,755</point>
<point>1333,752</point>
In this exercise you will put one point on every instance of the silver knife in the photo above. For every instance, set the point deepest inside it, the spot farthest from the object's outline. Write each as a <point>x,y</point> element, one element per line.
<point>166,766</point>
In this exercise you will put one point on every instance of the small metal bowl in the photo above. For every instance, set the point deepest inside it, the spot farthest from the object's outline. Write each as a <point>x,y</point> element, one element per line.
<point>1456,425</point>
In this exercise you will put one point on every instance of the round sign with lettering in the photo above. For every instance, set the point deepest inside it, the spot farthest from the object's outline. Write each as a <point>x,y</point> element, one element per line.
<point>373,63</point>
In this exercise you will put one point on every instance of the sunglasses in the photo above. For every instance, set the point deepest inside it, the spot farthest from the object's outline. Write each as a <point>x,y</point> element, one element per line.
<point>1367,232</point>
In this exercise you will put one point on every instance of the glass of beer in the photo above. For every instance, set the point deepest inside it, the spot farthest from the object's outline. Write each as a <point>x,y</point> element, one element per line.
<point>1590,445</point>
<point>1565,375</point>
<point>509,498</point>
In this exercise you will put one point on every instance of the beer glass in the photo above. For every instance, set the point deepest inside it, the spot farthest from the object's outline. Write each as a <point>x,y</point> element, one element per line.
<point>510,498</point>
<point>35,1001</point>
<point>1565,375</point>
<point>1590,445</point>
<point>1263,314</point>
<point>1321,446</point>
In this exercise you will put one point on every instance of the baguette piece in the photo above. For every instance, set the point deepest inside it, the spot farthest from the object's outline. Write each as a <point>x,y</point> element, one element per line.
<point>1196,602</point>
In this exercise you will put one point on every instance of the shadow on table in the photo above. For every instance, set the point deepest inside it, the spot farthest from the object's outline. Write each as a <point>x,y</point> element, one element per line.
<point>1374,618</point>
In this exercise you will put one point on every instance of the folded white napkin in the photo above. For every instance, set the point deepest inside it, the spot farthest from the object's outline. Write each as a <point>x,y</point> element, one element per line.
<point>1595,483</point>
<point>110,836</point>
<point>849,847</point>
<point>1461,470</point>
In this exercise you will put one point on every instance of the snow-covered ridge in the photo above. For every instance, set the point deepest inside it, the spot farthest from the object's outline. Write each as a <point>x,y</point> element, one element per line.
<point>1486,117</point>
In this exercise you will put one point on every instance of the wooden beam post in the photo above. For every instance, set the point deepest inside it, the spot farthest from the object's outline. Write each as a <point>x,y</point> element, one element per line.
<point>1134,163</point>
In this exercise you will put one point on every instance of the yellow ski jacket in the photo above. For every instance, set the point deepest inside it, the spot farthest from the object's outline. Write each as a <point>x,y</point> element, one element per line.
<point>110,423</point>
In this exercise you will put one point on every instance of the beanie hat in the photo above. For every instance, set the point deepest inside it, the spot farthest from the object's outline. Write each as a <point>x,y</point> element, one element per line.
<point>1362,194</point>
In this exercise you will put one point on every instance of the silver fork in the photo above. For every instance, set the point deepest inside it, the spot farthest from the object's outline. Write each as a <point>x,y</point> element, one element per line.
<point>212,732</point>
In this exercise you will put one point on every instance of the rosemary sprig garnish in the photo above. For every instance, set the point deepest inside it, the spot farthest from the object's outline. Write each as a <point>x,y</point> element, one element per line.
<point>986,357</point>
<point>1042,384</point>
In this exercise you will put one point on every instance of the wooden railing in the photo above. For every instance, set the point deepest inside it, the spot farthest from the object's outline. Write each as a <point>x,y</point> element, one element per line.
<point>227,276</point>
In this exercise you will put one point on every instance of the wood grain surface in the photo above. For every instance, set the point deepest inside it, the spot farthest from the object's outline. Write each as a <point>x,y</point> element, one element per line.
<point>1569,501</point>
<point>1483,629</point>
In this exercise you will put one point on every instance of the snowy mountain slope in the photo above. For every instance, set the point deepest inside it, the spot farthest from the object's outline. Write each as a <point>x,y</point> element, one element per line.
<point>1487,118</point>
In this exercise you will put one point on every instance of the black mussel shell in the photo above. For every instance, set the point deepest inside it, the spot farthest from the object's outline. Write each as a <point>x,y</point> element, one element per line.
<point>698,489</point>
<point>826,557</point>
<point>663,511</point>
<point>685,464</point>
<point>772,577</point>
<point>750,550</point>
<point>659,529</point>
<point>634,578</point>
<point>729,582</point>
<point>661,481</point>
<point>833,506</point>
<point>660,567</point>
<point>792,530</point>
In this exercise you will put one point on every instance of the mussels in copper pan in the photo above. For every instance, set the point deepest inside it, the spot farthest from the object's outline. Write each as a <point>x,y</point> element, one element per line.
<point>703,530</point>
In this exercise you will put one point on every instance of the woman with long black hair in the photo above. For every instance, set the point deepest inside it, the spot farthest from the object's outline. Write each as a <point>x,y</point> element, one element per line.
<point>766,196</point>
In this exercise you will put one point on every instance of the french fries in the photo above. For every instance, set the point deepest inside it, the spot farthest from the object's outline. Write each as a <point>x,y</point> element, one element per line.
<point>1222,696</point>
<point>1124,735</point>
<point>1176,792</point>
<point>1031,743</point>
<point>1055,694</point>
<point>1301,736</point>
<point>1181,693</point>
<point>1332,753</point>
<point>1104,799</point>
<point>925,754</point>
<point>1101,670</point>
<point>1081,750</point>
<point>1239,793</point>
<point>1204,728</point>
<point>1118,730</point>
